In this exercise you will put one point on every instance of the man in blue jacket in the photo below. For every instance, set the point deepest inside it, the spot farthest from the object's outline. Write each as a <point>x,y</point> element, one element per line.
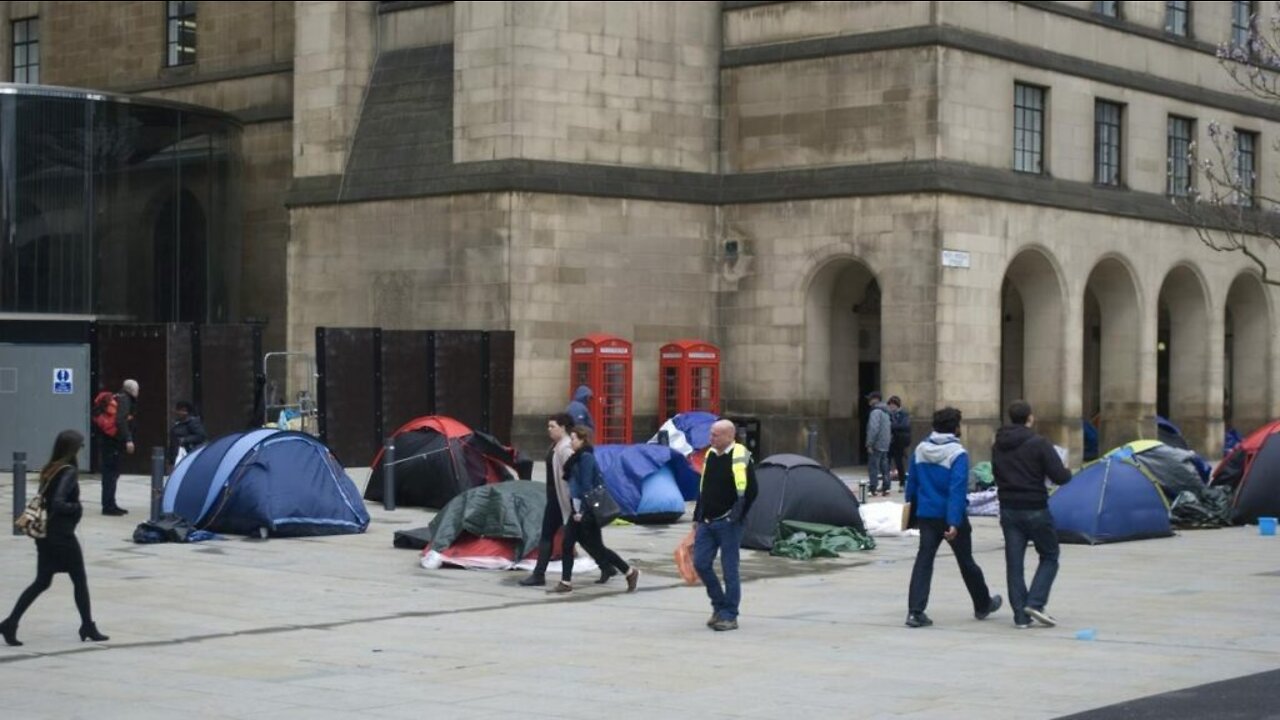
<point>578,408</point>
<point>937,486</point>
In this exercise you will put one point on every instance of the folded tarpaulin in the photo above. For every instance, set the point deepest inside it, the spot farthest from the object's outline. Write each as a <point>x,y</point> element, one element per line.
<point>626,466</point>
<point>803,541</point>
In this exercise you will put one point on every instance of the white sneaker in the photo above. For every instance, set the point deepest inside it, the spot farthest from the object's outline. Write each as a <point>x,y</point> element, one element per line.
<point>1041,617</point>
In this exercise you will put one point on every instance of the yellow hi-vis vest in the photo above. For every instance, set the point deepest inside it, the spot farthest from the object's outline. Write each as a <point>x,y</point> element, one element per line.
<point>741,456</point>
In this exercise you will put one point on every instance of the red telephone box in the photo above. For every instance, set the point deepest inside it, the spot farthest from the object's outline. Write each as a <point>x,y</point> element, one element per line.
<point>603,363</point>
<point>688,378</point>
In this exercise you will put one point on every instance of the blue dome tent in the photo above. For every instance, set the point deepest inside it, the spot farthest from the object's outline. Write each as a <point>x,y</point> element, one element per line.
<point>1112,500</point>
<point>650,483</point>
<point>287,484</point>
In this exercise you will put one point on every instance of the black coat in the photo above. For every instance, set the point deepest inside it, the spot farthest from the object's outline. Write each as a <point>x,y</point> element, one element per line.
<point>188,434</point>
<point>1021,461</point>
<point>62,501</point>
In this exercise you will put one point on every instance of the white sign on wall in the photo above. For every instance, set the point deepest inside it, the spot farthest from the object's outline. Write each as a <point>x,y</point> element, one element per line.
<point>955,259</point>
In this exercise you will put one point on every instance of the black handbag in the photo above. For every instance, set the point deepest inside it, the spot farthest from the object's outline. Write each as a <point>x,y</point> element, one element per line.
<point>601,505</point>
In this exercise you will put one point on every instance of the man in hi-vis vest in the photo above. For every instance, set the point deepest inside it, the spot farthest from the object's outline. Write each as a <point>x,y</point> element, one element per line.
<point>727,491</point>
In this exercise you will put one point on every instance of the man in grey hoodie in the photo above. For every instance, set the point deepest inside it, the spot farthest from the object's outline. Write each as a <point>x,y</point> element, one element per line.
<point>879,435</point>
<point>579,407</point>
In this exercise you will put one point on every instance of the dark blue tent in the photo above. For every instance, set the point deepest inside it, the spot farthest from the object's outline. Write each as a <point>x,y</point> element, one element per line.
<point>650,483</point>
<point>285,483</point>
<point>1112,500</point>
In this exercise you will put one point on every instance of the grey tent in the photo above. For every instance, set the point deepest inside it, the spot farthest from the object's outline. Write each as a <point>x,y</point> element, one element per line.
<point>793,487</point>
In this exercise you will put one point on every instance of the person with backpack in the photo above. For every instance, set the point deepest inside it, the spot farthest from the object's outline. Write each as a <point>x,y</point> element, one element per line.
<point>114,422</point>
<point>58,551</point>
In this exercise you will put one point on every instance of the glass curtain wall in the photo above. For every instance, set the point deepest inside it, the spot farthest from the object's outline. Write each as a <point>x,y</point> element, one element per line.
<point>117,207</point>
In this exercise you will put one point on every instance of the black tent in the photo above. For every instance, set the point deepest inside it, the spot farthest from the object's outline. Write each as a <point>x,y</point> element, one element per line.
<point>792,487</point>
<point>1252,472</point>
<point>437,458</point>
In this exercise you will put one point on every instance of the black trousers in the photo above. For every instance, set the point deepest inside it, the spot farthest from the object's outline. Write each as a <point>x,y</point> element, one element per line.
<point>588,534</point>
<point>56,554</point>
<point>898,447</point>
<point>111,452</point>
<point>931,537</point>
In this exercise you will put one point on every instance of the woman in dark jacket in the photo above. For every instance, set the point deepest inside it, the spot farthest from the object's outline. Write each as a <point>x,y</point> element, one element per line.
<point>58,551</point>
<point>584,474</point>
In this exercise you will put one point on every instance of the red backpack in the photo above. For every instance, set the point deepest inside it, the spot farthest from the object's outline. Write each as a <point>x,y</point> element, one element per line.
<point>105,407</point>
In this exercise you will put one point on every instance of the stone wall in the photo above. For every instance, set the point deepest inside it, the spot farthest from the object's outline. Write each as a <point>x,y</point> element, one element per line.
<point>976,123</point>
<point>597,82</point>
<point>845,110</point>
<point>332,64</point>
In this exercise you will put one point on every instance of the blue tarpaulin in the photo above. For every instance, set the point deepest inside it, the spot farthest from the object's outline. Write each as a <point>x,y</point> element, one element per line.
<point>625,468</point>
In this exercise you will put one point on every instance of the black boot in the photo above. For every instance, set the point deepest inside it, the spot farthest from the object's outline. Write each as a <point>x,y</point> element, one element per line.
<point>605,574</point>
<point>89,631</point>
<point>534,580</point>
<point>9,629</point>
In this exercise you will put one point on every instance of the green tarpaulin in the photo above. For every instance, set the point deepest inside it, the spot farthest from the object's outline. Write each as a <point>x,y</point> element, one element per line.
<point>803,541</point>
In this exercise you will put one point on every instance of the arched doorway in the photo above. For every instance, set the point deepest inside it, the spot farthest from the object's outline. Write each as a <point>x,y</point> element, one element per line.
<point>180,261</point>
<point>1112,379</point>
<point>1182,358</point>
<point>1033,342</point>
<point>1246,374</point>
<point>842,353</point>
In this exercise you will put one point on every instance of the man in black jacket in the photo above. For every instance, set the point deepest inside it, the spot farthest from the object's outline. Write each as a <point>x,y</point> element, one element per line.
<point>187,432</point>
<point>727,490</point>
<point>112,447</point>
<point>1022,461</point>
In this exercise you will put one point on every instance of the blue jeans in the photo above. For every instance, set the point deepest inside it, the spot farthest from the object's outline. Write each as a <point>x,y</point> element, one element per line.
<point>1020,526</point>
<point>878,470</point>
<point>725,537</point>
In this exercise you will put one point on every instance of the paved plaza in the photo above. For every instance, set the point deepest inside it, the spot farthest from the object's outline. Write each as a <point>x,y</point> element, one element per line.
<point>347,626</point>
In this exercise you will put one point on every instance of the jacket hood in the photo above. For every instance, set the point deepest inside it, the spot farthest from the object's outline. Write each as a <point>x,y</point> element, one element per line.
<point>940,449</point>
<point>582,394</point>
<point>1011,437</point>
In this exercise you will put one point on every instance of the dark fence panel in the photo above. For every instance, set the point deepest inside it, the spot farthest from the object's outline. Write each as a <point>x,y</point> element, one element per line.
<point>228,360</point>
<point>407,377</point>
<point>502,375</point>
<point>159,358</point>
<point>350,392</point>
<point>462,382</point>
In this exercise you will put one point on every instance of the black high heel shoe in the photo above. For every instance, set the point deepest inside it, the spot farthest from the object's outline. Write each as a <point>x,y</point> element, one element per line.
<point>9,630</point>
<point>90,632</point>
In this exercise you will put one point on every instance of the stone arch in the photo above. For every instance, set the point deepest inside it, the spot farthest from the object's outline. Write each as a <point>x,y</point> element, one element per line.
<point>1033,340</point>
<point>1182,353</point>
<point>1247,369</point>
<point>842,349</point>
<point>1113,355</point>
<point>180,260</point>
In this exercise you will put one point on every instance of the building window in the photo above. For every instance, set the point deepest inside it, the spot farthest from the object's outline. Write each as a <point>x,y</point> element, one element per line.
<point>1246,168</point>
<point>1177,18</point>
<point>26,50</point>
<point>1108,9</point>
<point>1106,142</point>
<point>1242,14</point>
<point>182,33</point>
<point>1180,134</point>
<point>1028,128</point>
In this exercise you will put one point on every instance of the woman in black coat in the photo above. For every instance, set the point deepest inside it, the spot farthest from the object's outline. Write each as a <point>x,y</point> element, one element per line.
<point>58,551</point>
<point>582,528</point>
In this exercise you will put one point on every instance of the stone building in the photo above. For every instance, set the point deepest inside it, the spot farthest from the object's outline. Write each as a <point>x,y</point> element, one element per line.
<point>958,203</point>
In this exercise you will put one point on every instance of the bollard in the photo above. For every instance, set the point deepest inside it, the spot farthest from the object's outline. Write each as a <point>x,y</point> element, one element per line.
<point>812,445</point>
<point>157,481</point>
<point>862,487</point>
<point>389,475</point>
<point>19,487</point>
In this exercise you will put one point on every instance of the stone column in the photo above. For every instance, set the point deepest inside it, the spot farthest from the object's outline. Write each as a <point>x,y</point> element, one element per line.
<point>334,57</point>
